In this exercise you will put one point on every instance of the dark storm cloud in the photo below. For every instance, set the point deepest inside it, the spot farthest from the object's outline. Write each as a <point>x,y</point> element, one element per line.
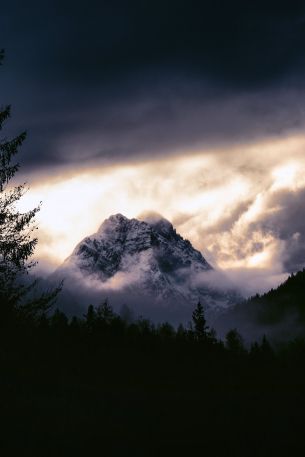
<point>143,127</point>
<point>131,79</point>
<point>230,41</point>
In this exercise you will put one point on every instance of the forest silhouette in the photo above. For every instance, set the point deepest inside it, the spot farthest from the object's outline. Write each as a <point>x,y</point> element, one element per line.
<point>111,384</point>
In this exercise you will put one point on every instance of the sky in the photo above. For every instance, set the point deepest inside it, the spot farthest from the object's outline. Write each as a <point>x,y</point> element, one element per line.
<point>192,109</point>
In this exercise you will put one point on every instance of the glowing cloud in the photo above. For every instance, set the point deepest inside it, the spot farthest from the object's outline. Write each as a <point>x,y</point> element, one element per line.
<point>217,203</point>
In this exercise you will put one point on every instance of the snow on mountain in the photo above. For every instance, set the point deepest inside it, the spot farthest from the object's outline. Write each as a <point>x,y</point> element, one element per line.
<point>146,258</point>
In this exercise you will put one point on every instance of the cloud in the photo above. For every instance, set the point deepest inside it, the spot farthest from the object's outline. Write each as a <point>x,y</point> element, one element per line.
<point>124,83</point>
<point>241,214</point>
<point>285,221</point>
<point>194,110</point>
<point>150,124</point>
<point>225,41</point>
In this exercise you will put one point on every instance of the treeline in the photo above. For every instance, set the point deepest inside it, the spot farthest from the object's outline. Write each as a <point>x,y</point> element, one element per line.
<point>102,325</point>
<point>281,308</point>
<point>115,385</point>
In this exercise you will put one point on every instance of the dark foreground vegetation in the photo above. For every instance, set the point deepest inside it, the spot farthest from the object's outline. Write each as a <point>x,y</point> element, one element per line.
<point>105,386</point>
<point>108,386</point>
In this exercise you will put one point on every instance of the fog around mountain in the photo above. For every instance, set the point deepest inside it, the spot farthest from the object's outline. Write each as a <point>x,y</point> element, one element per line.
<point>145,264</point>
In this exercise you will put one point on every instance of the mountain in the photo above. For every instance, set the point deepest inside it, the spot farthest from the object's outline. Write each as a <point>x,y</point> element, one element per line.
<point>143,258</point>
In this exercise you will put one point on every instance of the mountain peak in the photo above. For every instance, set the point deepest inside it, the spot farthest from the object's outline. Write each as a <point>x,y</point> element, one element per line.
<point>116,219</point>
<point>152,217</point>
<point>157,222</point>
<point>147,256</point>
<point>147,222</point>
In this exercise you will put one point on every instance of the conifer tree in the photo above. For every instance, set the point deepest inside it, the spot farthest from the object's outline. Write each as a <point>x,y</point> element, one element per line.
<point>200,328</point>
<point>17,240</point>
<point>105,313</point>
<point>234,342</point>
<point>90,318</point>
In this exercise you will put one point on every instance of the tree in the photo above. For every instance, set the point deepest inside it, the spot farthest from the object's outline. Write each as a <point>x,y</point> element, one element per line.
<point>17,240</point>
<point>166,331</point>
<point>234,342</point>
<point>265,346</point>
<point>127,314</point>
<point>181,333</point>
<point>200,329</point>
<point>90,317</point>
<point>59,321</point>
<point>104,313</point>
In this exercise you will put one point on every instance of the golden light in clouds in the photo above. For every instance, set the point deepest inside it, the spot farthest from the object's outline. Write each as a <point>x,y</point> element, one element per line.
<point>289,176</point>
<point>199,193</point>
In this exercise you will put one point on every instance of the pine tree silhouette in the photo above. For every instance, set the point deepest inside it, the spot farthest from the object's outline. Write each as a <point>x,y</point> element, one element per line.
<point>17,240</point>
<point>200,328</point>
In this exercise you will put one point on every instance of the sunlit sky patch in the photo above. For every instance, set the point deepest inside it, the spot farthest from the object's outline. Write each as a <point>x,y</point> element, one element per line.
<point>224,207</point>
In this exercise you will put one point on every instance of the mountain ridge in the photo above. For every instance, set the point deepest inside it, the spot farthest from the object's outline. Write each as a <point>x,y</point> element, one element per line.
<point>146,258</point>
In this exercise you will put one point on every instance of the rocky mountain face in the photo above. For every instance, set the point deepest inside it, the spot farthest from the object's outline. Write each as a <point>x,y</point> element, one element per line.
<point>146,258</point>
